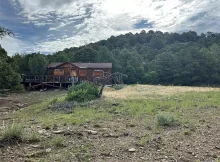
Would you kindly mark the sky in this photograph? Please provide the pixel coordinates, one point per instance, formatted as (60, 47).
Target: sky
(48, 26)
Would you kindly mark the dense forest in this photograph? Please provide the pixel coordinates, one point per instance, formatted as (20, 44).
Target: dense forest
(151, 57)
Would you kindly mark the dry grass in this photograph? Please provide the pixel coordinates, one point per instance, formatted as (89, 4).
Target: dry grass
(147, 91)
(147, 118)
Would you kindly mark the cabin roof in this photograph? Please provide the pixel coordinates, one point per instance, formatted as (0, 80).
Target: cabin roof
(82, 65)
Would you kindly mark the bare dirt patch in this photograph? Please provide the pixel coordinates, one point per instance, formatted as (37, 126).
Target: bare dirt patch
(15, 101)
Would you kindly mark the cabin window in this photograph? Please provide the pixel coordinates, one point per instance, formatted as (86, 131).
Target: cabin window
(73, 73)
(82, 73)
(98, 73)
(58, 72)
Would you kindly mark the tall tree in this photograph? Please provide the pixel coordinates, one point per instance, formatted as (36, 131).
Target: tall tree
(104, 55)
(85, 55)
(38, 64)
(153, 57)
(9, 78)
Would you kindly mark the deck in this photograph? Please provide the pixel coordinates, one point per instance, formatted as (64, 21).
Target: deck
(58, 81)
(34, 81)
(48, 79)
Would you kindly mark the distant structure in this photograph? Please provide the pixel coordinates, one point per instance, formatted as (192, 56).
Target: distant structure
(64, 74)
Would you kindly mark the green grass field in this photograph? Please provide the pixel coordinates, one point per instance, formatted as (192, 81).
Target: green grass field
(136, 115)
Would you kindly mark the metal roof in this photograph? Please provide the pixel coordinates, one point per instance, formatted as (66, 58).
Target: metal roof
(82, 65)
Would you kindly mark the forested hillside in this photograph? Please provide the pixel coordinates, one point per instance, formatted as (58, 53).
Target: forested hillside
(146, 57)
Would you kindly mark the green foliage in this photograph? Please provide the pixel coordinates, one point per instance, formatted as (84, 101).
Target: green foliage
(166, 119)
(86, 55)
(12, 133)
(58, 142)
(38, 64)
(145, 139)
(84, 153)
(4, 32)
(53, 101)
(118, 86)
(104, 55)
(34, 137)
(146, 57)
(9, 78)
(151, 77)
(83, 92)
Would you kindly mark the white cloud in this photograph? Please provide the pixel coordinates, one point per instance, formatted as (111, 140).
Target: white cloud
(14, 45)
(62, 24)
(93, 20)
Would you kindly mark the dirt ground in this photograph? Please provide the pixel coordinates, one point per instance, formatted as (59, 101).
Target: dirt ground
(13, 102)
(122, 139)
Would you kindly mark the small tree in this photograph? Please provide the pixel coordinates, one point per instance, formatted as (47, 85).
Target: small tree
(117, 78)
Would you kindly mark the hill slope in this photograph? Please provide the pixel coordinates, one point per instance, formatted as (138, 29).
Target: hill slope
(153, 57)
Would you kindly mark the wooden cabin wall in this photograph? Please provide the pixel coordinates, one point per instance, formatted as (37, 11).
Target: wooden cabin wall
(69, 67)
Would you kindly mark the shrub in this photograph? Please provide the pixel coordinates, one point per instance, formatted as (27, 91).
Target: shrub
(83, 92)
(18, 88)
(166, 119)
(118, 86)
(12, 133)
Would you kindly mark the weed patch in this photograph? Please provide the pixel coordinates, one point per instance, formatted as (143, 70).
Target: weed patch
(166, 119)
(58, 142)
(12, 133)
(146, 139)
(84, 154)
(33, 137)
(53, 101)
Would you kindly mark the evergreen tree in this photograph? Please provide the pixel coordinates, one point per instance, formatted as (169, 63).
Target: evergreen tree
(38, 64)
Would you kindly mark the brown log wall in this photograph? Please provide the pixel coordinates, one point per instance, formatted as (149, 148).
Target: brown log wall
(68, 68)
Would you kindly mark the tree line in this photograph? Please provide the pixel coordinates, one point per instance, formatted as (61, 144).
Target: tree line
(152, 57)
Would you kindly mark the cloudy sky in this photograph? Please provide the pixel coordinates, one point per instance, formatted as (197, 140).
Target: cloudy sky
(52, 25)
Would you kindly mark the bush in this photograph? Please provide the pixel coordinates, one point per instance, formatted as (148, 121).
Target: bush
(83, 92)
(166, 119)
(12, 133)
(18, 88)
(118, 86)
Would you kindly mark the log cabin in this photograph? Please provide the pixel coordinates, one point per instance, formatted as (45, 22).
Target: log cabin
(64, 74)
(79, 71)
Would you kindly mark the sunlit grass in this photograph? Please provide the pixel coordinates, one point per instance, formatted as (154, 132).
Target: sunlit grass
(11, 133)
(150, 91)
(130, 107)
(151, 108)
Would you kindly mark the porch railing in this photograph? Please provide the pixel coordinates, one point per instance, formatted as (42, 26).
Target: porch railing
(49, 79)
